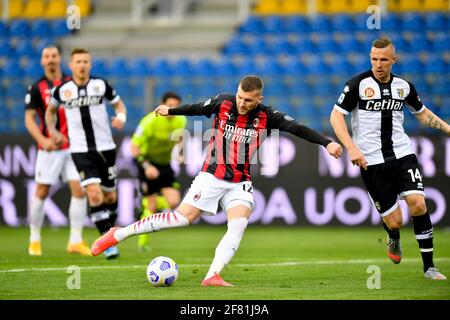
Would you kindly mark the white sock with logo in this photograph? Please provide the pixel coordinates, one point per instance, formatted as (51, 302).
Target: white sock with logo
(228, 246)
(36, 218)
(77, 214)
(155, 222)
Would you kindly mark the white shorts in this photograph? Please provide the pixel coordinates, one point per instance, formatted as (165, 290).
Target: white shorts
(51, 166)
(207, 192)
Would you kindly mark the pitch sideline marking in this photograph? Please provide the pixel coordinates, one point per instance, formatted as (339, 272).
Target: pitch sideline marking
(274, 264)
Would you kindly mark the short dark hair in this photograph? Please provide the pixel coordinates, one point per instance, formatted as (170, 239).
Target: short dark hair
(168, 95)
(52, 46)
(78, 51)
(250, 83)
(382, 42)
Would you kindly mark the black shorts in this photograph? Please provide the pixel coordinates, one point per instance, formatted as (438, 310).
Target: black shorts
(386, 182)
(166, 179)
(97, 167)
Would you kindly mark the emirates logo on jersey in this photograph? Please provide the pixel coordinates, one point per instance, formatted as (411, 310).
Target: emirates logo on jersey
(369, 92)
(197, 196)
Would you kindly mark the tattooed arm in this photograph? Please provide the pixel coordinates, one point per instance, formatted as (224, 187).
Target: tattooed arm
(428, 118)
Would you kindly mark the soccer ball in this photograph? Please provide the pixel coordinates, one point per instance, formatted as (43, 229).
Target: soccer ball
(162, 272)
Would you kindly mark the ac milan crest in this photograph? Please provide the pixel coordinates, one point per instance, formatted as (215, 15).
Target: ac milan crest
(255, 122)
(197, 196)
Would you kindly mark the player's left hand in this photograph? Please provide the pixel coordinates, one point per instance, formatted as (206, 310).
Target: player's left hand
(334, 149)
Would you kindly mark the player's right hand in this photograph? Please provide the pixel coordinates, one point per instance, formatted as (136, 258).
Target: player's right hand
(356, 157)
(151, 172)
(162, 110)
(49, 145)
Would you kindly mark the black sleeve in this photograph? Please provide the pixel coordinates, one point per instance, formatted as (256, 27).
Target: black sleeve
(413, 98)
(32, 98)
(110, 92)
(348, 100)
(55, 98)
(206, 108)
(283, 122)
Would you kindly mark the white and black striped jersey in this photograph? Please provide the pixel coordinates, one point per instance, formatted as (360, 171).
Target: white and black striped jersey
(87, 117)
(377, 115)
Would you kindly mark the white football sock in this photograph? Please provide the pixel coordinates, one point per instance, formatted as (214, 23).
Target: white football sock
(36, 218)
(228, 246)
(77, 214)
(155, 222)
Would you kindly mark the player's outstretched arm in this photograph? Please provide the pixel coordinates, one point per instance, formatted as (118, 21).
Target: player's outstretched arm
(428, 118)
(340, 129)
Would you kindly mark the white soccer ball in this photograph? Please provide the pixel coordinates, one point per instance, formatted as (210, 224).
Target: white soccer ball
(162, 272)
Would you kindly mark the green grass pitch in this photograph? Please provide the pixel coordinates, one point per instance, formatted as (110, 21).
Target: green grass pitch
(273, 263)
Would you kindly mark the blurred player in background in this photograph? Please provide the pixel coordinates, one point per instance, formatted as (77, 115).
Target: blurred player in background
(151, 148)
(380, 147)
(53, 160)
(91, 143)
(241, 123)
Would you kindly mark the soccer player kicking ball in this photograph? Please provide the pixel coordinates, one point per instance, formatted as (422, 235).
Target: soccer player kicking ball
(383, 151)
(240, 125)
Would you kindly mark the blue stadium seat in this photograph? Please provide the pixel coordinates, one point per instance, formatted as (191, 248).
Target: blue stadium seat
(320, 23)
(391, 22)
(316, 66)
(360, 63)
(99, 68)
(401, 45)
(235, 46)
(24, 48)
(347, 42)
(6, 50)
(435, 64)
(412, 21)
(40, 28)
(293, 66)
(273, 24)
(440, 42)
(248, 66)
(33, 69)
(182, 67)
(3, 29)
(278, 45)
(42, 43)
(204, 67)
(224, 67)
(256, 46)
(436, 21)
(160, 67)
(11, 68)
(342, 22)
(325, 43)
(119, 67)
(58, 28)
(303, 44)
(419, 42)
(19, 28)
(409, 63)
(296, 24)
(254, 24)
(340, 66)
(140, 66)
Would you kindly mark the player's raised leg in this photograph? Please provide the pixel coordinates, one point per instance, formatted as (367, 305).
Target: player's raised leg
(182, 216)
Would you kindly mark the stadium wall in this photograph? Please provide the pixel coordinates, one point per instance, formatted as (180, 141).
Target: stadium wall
(301, 186)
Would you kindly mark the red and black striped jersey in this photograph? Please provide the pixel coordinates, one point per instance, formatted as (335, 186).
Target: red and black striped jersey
(235, 138)
(38, 97)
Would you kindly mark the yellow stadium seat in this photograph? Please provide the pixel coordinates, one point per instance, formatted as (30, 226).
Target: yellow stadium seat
(404, 5)
(15, 9)
(359, 6)
(268, 7)
(34, 9)
(436, 5)
(85, 7)
(293, 7)
(56, 9)
(330, 6)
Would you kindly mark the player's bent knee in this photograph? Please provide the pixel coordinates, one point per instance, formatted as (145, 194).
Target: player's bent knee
(417, 208)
